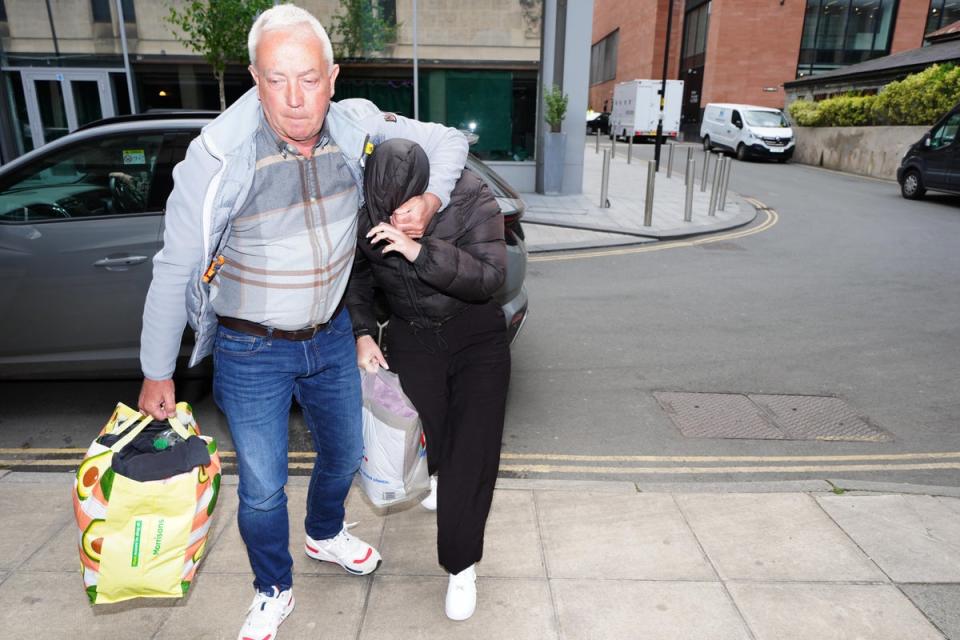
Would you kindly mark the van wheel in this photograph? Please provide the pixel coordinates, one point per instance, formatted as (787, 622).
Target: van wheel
(741, 152)
(912, 187)
(706, 144)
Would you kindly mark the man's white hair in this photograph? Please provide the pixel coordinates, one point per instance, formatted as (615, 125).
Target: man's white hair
(287, 16)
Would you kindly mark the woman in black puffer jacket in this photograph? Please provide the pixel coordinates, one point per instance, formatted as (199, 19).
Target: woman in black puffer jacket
(447, 341)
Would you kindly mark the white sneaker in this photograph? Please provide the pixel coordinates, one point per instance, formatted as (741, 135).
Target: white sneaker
(265, 615)
(353, 554)
(461, 599)
(430, 502)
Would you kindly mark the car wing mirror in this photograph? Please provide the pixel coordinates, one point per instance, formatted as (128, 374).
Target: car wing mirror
(926, 140)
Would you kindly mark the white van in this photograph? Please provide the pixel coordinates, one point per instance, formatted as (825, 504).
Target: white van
(747, 130)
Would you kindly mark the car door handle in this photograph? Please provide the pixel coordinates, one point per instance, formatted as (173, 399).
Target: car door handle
(124, 261)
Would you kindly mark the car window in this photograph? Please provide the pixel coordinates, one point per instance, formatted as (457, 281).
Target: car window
(946, 133)
(735, 119)
(173, 151)
(96, 177)
(771, 119)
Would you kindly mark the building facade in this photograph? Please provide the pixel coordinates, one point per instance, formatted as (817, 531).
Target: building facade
(745, 50)
(62, 66)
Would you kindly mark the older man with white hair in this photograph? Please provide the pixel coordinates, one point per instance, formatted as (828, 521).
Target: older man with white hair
(259, 243)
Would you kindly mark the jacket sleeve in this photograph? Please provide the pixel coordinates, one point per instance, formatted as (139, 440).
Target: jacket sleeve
(165, 311)
(445, 147)
(359, 297)
(474, 267)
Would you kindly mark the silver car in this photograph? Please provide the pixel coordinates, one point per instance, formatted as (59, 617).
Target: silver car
(80, 221)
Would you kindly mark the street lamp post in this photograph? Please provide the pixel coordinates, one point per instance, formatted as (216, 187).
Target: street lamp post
(663, 86)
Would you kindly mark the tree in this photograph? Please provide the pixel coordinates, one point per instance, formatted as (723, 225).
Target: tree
(556, 101)
(217, 29)
(362, 28)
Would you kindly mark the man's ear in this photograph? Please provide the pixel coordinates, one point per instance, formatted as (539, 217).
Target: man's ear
(253, 73)
(333, 78)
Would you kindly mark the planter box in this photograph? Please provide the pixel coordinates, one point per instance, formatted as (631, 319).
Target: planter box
(554, 152)
(867, 151)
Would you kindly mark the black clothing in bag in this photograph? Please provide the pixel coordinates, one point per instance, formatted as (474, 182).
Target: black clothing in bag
(142, 461)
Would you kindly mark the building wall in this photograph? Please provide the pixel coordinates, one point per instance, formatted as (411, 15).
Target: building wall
(752, 44)
(643, 27)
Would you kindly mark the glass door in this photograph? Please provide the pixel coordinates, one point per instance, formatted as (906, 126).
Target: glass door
(60, 101)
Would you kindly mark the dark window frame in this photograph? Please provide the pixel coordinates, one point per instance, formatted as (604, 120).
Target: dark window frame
(102, 11)
(817, 54)
(603, 58)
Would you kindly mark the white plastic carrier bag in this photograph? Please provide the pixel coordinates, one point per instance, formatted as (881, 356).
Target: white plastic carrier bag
(394, 465)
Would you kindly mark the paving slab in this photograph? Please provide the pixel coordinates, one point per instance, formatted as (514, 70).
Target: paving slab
(327, 608)
(544, 484)
(32, 515)
(54, 606)
(541, 238)
(940, 603)
(830, 612)
(412, 608)
(772, 486)
(601, 535)
(511, 544)
(912, 538)
(868, 486)
(627, 609)
(774, 537)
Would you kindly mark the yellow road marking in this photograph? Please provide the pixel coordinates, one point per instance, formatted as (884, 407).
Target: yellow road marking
(547, 468)
(771, 219)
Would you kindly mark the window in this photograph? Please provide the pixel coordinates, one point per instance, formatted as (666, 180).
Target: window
(101, 10)
(942, 13)
(3, 12)
(109, 176)
(837, 33)
(736, 120)
(946, 133)
(603, 59)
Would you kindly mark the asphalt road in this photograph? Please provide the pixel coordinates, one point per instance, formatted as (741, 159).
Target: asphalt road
(852, 293)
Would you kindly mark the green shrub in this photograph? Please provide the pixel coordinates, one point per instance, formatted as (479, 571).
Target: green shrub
(918, 99)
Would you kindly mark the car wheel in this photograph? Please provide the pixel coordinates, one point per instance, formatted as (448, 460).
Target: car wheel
(706, 144)
(741, 152)
(912, 187)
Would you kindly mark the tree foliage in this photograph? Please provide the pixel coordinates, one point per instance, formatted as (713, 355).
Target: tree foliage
(217, 30)
(361, 29)
(919, 99)
(556, 103)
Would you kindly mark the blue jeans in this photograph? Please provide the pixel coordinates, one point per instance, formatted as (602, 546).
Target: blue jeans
(253, 383)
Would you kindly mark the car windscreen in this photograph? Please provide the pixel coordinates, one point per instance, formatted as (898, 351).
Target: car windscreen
(766, 119)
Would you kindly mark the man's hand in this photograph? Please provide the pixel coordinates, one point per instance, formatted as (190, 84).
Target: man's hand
(396, 241)
(157, 399)
(413, 216)
(369, 356)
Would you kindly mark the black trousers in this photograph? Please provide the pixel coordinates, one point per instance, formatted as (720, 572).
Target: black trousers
(457, 376)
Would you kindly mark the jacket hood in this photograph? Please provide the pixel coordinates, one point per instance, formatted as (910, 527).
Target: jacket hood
(394, 173)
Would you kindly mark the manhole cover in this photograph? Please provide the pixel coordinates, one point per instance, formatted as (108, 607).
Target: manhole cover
(716, 415)
(818, 418)
(767, 417)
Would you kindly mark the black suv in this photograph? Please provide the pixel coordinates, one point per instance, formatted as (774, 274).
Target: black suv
(933, 163)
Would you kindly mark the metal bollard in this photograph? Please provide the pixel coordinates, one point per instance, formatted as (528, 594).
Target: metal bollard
(613, 146)
(726, 182)
(651, 183)
(688, 176)
(688, 201)
(605, 179)
(706, 170)
(630, 150)
(597, 150)
(724, 167)
(670, 159)
(714, 191)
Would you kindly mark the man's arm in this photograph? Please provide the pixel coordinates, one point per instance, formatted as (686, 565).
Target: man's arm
(165, 312)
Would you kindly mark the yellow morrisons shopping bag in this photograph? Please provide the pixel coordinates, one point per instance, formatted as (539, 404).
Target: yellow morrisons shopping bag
(143, 499)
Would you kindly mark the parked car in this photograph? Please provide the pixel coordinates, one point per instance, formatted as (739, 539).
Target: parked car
(82, 217)
(933, 162)
(748, 131)
(598, 122)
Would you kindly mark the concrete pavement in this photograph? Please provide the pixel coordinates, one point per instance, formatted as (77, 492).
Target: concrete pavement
(563, 559)
(556, 223)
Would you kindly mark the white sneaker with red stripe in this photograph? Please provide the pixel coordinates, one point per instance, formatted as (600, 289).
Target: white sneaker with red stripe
(265, 615)
(353, 554)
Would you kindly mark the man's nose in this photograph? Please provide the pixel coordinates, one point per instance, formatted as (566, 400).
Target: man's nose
(294, 95)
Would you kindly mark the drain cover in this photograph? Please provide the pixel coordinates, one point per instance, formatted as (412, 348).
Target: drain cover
(716, 415)
(766, 417)
(818, 418)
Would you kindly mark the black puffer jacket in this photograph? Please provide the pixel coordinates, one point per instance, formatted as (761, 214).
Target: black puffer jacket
(463, 259)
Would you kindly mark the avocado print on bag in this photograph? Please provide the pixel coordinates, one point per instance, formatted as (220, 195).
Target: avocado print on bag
(144, 538)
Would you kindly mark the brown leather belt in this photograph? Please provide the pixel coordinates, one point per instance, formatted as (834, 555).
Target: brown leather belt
(261, 330)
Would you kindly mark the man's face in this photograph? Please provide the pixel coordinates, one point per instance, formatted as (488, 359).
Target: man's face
(294, 82)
